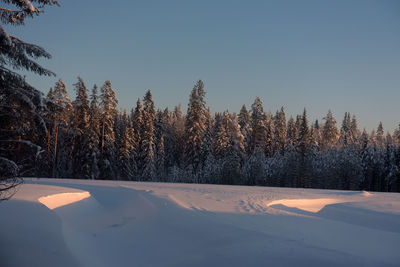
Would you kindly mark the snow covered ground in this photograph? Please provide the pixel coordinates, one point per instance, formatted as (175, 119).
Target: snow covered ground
(110, 223)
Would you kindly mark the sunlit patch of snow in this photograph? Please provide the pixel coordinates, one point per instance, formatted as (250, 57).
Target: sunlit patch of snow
(366, 194)
(62, 199)
(311, 205)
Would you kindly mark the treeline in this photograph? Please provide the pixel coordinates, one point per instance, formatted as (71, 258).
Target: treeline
(90, 139)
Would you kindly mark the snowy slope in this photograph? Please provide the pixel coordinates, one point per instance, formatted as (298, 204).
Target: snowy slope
(110, 223)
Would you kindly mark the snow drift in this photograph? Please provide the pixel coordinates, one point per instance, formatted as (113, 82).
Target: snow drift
(111, 223)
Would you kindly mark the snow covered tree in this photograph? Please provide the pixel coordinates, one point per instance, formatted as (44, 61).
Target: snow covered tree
(137, 125)
(330, 132)
(207, 142)
(345, 131)
(21, 105)
(315, 135)
(222, 141)
(195, 125)
(148, 137)
(177, 137)
(280, 131)
(303, 148)
(93, 134)
(62, 157)
(244, 122)
(269, 134)
(380, 135)
(127, 166)
(108, 111)
(234, 156)
(81, 107)
(258, 128)
(354, 132)
(292, 132)
(303, 138)
(80, 124)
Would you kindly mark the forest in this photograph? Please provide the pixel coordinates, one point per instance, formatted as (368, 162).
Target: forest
(89, 138)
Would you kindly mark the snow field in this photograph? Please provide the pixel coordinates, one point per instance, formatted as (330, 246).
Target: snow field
(113, 223)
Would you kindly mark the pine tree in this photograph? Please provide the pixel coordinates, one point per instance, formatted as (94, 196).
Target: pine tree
(304, 148)
(62, 157)
(137, 125)
(207, 142)
(315, 133)
(292, 133)
(329, 131)
(232, 162)
(222, 141)
(345, 131)
(21, 105)
(178, 137)
(126, 161)
(269, 135)
(80, 125)
(81, 107)
(354, 132)
(195, 125)
(148, 137)
(93, 134)
(380, 135)
(280, 131)
(108, 104)
(259, 131)
(303, 138)
(244, 122)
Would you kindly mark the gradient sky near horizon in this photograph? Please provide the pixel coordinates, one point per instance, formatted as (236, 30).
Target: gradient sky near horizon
(341, 55)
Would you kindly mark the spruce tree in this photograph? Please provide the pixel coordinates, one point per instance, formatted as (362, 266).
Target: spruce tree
(108, 111)
(329, 131)
(303, 148)
(195, 125)
(137, 125)
(258, 128)
(148, 137)
(244, 122)
(292, 133)
(280, 131)
(93, 133)
(380, 135)
(21, 105)
(127, 166)
(62, 150)
(178, 137)
(345, 131)
(80, 125)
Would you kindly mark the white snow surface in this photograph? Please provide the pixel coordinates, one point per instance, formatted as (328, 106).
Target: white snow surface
(60, 222)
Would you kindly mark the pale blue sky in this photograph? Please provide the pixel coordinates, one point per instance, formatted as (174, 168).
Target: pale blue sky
(338, 55)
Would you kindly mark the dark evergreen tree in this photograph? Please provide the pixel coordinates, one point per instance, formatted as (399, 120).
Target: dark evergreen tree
(292, 133)
(137, 125)
(63, 138)
(303, 148)
(258, 128)
(93, 135)
(148, 137)
(80, 125)
(244, 122)
(280, 131)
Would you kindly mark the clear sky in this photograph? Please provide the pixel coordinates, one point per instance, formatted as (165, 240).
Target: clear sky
(338, 55)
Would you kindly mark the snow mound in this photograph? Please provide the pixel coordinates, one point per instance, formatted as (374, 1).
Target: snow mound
(311, 205)
(62, 199)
